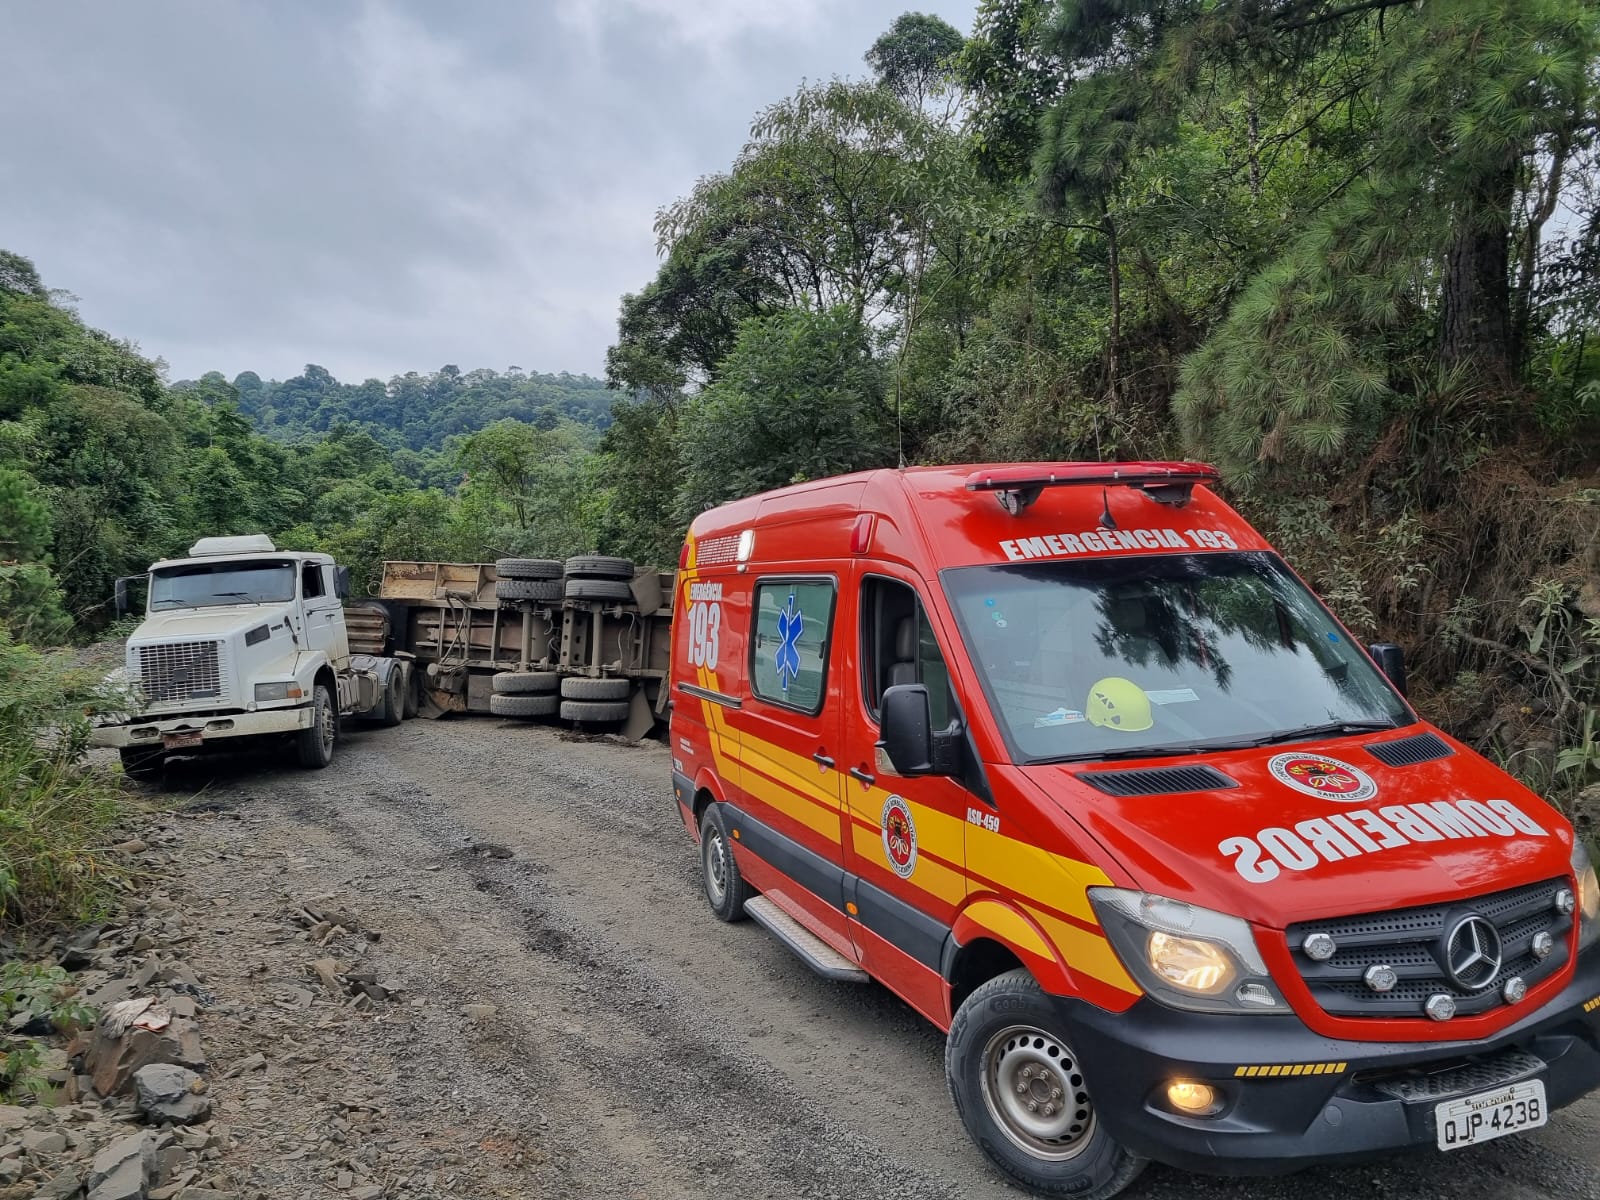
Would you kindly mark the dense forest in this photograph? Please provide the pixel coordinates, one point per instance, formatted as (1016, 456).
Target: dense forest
(412, 411)
(1348, 252)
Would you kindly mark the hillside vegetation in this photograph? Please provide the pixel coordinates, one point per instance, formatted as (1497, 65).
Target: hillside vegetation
(1348, 252)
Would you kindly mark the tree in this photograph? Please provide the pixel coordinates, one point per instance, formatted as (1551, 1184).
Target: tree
(800, 397)
(913, 58)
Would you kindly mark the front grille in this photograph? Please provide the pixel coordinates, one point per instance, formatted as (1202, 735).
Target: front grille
(1474, 1075)
(1409, 940)
(181, 672)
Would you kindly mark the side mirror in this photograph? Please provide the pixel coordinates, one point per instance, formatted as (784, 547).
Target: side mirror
(906, 733)
(1391, 661)
(120, 597)
(341, 582)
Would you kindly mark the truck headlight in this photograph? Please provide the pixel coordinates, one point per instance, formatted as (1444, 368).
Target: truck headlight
(278, 691)
(1588, 895)
(1187, 957)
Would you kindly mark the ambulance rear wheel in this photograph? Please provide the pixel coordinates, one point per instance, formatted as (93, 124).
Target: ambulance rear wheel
(726, 889)
(1020, 1091)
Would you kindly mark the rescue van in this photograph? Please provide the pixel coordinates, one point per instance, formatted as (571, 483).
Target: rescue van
(1065, 756)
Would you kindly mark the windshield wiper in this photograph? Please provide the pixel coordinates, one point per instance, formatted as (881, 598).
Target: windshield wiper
(1185, 751)
(242, 595)
(1309, 732)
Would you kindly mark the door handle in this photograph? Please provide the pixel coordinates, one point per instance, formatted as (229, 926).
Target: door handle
(822, 760)
(866, 779)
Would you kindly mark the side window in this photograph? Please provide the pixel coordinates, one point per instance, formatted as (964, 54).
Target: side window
(789, 649)
(310, 580)
(898, 646)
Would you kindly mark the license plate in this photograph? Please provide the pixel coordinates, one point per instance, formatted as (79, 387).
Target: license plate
(177, 741)
(1472, 1120)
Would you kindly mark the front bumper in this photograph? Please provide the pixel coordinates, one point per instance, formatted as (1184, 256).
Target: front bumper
(151, 731)
(1294, 1099)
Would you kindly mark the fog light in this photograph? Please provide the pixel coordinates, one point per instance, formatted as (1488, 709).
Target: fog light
(1566, 902)
(1381, 977)
(1543, 944)
(1441, 1007)
(1516, 988)
(1190, 1097)
(1319, 946)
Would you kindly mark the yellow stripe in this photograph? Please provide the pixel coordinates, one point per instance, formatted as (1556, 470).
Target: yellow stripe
(1029, 871)
(1085, 952)
(934, 878)
(1008, 926)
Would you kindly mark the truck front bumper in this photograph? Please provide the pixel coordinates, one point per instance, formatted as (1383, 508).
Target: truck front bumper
(1291, 1099)
(157, 731)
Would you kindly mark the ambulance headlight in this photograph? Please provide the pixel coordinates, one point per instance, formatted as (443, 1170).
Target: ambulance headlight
(1187, 957)
(1588, 895)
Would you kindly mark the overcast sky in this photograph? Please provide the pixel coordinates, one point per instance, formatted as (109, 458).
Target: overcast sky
(382, 187)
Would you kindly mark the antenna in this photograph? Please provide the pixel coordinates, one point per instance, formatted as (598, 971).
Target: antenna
(1107, 521)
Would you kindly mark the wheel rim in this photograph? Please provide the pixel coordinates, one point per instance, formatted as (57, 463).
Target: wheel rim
(716, 863)
(1034, 1091)
(326, 732)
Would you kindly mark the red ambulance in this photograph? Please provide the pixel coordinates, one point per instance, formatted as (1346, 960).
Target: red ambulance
(1068, 758)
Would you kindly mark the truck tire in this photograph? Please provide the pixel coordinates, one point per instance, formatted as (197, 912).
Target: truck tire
(523, 683)
(599, 589)
(143, 763)
(528, 568)
(593, 712)
(726, 890)
(538, 705)
(547, 591)
(575, 687)
(313, 746)
(394, 698)
(413, 692)
(1017, 1086)
(598, 566)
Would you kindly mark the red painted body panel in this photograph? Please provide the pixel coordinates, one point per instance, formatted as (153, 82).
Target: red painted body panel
(1055, 834)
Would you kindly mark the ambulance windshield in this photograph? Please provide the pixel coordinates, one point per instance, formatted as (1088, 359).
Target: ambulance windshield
(1162, 654)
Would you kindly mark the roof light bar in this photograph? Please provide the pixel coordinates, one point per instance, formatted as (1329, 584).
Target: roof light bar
(1164, 482)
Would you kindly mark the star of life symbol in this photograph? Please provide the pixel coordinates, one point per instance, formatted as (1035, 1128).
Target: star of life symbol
(791, 623)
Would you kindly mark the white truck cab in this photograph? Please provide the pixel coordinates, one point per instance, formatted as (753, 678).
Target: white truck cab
(241, 639)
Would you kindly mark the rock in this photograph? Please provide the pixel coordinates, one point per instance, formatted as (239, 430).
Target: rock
(39, 1141)
(253, 1062)
(478, 1013)
(327, 970)
(113, 1060)
(371, 1192)
(491, 849)
(170, 1093)
(133, 846)
(119, 1171)
(12, 1117)
(62, 1186)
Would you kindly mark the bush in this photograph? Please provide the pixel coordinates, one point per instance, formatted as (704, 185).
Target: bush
(56, 813)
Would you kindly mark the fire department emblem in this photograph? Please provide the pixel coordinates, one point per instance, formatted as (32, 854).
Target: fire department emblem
(1329, 778)
(899, 837)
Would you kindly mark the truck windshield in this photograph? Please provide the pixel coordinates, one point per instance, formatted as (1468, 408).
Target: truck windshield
(199, 585)
(1162, 654)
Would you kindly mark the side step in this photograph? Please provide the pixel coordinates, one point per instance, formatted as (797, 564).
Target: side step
(807, 946)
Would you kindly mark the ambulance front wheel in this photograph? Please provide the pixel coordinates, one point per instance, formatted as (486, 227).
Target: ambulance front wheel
(726, 889)
(1021, 1094)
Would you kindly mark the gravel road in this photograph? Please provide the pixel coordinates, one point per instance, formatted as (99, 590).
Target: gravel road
(638, 1047)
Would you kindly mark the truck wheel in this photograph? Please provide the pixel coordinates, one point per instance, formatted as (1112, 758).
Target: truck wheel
(394, 698)
(575, 687)
(599, 566)
(413, 693)
(523, 683)
(547, 591)
(594, 712)
(537, 705)
(726, 889)
(599, 589)
(1019, 1091)
(313, 746)
(143, 763)
(528, 568)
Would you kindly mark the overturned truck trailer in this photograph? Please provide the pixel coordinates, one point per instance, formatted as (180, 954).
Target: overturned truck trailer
(585, 641)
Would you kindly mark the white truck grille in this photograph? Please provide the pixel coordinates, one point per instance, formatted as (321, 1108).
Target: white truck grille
(181, 673)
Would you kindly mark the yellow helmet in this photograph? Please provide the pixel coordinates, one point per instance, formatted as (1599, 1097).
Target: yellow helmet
(1120, 704)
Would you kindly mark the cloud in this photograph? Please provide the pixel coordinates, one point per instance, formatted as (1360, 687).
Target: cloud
(387, 186)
